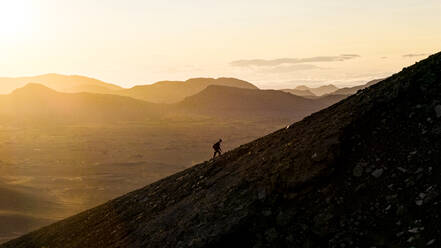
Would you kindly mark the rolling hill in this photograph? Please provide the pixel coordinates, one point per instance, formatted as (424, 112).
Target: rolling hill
(361, 173)
(251, 104)
(176, 91)
(63, 83)
(36, 102)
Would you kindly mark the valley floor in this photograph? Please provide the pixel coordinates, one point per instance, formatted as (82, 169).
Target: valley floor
(51, 172)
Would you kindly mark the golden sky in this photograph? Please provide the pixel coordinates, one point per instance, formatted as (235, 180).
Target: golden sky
(274, 44)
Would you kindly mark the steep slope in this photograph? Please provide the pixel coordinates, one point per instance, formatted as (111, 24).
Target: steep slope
(353, 90)
(175, 91)
(298, 92)
(362, 173)
(36, 102)
(59, 82)
(319, 91)
(250, 104)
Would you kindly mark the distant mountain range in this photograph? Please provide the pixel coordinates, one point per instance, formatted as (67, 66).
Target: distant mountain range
(305, 93)
(175, 91)
(53, 99)
(328, 90)
(353, 90)
(159, 92)
(59, 82)
(230, 102)
(36, 102)
(319, 91)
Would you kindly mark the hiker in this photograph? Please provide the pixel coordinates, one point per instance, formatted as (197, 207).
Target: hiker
(217, 148)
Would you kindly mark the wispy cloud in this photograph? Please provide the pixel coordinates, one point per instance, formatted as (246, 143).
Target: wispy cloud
(412, 55)
(290, 68)
(285, 61)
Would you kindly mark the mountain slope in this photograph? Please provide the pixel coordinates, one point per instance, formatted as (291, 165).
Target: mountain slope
(251, 104)
(175, 91)
(364, 172)
(353, 90)
(59, 82)
(36, 102)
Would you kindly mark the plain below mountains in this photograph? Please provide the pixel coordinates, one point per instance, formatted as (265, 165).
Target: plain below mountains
(362, 173)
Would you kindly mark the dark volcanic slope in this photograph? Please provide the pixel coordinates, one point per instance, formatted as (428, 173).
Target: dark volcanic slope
(362, 173)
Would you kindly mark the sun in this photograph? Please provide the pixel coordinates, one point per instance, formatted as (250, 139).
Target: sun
(15, 18)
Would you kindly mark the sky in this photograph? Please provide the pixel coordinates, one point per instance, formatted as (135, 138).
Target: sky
(273, 44)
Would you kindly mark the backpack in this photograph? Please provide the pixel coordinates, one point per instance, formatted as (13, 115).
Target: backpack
(216, 146)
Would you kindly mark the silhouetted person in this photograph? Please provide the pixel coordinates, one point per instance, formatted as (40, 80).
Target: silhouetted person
(217, 148)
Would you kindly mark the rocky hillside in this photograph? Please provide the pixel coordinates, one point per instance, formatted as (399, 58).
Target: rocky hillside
(364, 172)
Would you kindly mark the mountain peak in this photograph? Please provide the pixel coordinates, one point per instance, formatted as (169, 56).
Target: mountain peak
(33, 89)
(319, 91)
(175, 91)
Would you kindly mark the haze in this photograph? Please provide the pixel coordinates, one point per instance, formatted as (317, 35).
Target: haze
(139, 42)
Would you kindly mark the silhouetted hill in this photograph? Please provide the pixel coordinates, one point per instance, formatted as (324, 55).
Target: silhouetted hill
(36, 102)
(237, 103)
(175, 91)
(306, 93)
(319, 91)
(362, 173)
(59, 82)
(353, 90)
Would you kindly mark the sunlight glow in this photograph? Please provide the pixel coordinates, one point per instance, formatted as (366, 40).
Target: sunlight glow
(15, 18)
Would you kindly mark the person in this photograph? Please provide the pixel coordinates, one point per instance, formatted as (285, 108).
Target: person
(217, 148)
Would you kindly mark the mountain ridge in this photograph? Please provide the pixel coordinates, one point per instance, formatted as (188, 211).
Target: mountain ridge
(319, 91)
(176, 91)
(36, 102)
(354, 89)
(240, 103)
(59, 82)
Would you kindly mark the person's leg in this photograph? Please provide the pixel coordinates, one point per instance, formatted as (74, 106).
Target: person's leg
(216, 153)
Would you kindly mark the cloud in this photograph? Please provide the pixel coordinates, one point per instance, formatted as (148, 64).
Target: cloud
(290, 68)
(412, 55)
(282, 61)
